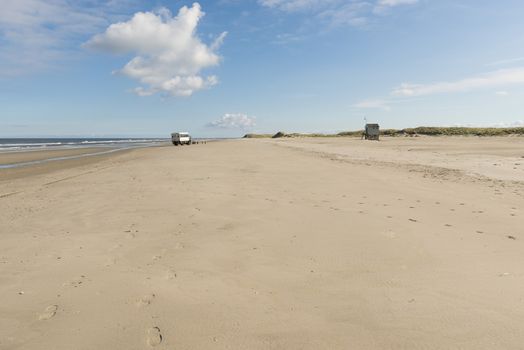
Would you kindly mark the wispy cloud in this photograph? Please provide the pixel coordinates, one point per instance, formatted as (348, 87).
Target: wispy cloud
(234, 121)
(392, 3)
(36, 34)
(297, 5)
(495, 82)
(169, 54)
(506, 62)
(514, 124)
(354, 13)
(490, 80)
(384, 5)
(373, 104)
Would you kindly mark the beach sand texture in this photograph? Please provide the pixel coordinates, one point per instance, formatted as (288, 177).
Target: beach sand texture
(407, 243)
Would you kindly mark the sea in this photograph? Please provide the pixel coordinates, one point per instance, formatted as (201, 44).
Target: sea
(98, 145)
(30, 144)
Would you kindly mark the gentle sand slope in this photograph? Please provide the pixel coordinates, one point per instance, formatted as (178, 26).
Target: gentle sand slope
(261, 244)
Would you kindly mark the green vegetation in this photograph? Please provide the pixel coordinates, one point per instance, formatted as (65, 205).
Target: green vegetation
(443, 131)
(357, 133)
(457, 131)
(423, 130)
(257, 136)
(283, 134)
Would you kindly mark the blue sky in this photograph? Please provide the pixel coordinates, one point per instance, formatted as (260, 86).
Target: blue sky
(228, 67)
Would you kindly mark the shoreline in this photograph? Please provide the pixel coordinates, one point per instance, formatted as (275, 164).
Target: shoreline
(27, 156)
(33, 163)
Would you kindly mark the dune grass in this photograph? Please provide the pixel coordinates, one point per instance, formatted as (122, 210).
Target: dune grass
(257, 136)
(423, 130)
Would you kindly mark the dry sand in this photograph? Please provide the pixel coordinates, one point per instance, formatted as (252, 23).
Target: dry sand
(264, 244)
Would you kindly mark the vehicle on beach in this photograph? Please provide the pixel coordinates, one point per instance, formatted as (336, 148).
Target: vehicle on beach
(180, 138)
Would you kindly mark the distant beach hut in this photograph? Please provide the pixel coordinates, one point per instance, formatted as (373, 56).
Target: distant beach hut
(372, 132)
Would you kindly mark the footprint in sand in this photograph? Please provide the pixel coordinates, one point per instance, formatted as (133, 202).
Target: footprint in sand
(170, 275)
(146, 300)
(49, 312)
(77, 282)
(154, 336)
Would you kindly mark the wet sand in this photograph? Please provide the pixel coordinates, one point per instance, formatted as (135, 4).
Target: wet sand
(75, 157)
(28, 156)
(268, 244)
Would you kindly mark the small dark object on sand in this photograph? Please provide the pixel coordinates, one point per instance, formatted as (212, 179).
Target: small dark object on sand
(512, 237)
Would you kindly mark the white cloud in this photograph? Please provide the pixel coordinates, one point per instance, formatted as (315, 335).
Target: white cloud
(501, 93)
(234, 121)
(496, 79)
(373, 104)
(169, 54)
(35, 34)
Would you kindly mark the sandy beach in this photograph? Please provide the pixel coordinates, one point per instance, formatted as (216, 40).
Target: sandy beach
(321, 243)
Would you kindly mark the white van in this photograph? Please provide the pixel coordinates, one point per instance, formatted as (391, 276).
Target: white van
(180, 138)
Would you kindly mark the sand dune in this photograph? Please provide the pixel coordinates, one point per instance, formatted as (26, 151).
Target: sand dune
(269, 244)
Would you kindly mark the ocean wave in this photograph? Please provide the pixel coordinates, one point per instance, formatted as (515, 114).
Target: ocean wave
(30, 144)
(120, 141)
(38, 144)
